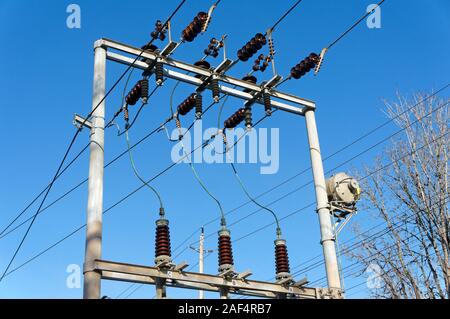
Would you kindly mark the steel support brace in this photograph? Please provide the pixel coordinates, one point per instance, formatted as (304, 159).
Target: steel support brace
(171, 65)
(180, 279)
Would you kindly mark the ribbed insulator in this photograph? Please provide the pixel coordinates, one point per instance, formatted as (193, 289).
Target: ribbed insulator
(251, 47)
(198, 105)
(144, 89)
(126, 115)
(195, 27)
(281, 258)
(305, 66)
(235, 119)
(162, 241)
(187, 105)
(271, 48)
(215, 90)
(159, 73)
(267, 104)
(225, 250)
(134, 95)
(248, 117)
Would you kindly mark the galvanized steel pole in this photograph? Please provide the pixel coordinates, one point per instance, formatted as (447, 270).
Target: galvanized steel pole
(323, 209)
(92, 278)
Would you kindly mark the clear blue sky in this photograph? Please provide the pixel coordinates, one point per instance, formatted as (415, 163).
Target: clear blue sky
(46, 77)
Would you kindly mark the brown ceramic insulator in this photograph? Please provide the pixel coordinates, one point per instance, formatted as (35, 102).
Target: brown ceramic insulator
(248, 117)
(267, 104)
(251, 47)
(195, 27)
(134, 95)
(187, 105)
(225, 250)
(162, 241)
(251, 79)
(305, 66)
(281, 258)
(235, 119)
(144, 88)
(204, 65)
(149, 47)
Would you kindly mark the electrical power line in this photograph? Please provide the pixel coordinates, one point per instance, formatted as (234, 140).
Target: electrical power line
(354, 25)
(116, 204)
(285, 15)
(349, 160)
(72, 142)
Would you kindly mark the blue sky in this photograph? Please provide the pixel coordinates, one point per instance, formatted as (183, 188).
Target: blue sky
(46, 77)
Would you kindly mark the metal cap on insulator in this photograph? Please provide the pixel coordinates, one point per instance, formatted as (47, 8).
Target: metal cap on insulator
(226, 262)
(282, 260)
(162, 242)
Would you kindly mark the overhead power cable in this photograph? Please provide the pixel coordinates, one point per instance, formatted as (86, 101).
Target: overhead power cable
(353, 157)
(114, 205)
(71, 145)
(354, 25)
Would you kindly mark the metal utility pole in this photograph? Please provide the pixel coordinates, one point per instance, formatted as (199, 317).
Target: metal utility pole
(95, 185)
(201, 257)
(323, 207)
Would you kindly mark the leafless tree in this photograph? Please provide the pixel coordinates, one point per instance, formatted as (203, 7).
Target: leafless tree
(409, 193)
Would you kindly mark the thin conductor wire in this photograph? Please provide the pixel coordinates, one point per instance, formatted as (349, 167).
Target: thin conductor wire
(354, 25)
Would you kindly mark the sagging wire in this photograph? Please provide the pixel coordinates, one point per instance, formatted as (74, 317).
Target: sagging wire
(282, 268)
(130, 154)
(314, 61)
(136, 173)
(241, 183)
(175, 116)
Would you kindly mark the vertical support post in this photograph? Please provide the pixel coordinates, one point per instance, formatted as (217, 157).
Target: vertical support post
(160, 288)
(200, 260)
(223, 293)
(323, 210)
(95, 185)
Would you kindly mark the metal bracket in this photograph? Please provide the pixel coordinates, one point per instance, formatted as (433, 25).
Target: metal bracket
(329, 293)
(301, 282)
(180, 267)
(80, 121)
(224, 66)
(244, 275)
(169, 48)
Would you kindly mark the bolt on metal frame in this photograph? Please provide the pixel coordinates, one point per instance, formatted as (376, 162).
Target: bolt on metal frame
(96, 269)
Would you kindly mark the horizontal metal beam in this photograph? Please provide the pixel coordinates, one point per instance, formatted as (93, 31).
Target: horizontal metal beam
(176, 278)
(299, 106)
